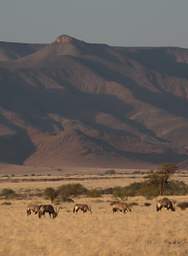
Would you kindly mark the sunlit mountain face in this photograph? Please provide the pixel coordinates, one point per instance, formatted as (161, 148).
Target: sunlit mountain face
(76, 103)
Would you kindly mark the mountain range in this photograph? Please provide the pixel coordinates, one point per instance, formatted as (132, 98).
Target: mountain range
(74, 103)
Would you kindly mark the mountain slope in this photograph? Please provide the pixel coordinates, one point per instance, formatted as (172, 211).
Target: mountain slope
(12, 51)
(75, 103)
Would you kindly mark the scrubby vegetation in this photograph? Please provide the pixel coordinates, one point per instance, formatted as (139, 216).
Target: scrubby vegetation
(183, 205)
(8, 193)
(162, 176)
(50, 193)
(119, 193)
(110, 172)
(6, 203)
(155, 184)
(147, 204)
(65, 192)
(94, 193)
(69, 190)
(133, 204)
(150, 189)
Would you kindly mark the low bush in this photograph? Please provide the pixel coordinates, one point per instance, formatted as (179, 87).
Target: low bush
(8, 193)
(6, 203)
(133, 204)
(149, 189)
(94, 193)
(183, 205)
(107, 191)
(176, 188)
(147, 204)
(120, 193)
(110, 172)
(60, 200)
(64, 192)
(69, 190)
(50, 193)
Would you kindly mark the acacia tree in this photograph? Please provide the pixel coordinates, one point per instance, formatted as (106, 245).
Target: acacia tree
(50, 194)
(162, 175)
(166, 170)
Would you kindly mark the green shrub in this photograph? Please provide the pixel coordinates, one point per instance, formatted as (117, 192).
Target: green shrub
(59, 200)
(50, 193)
(120, 192)
(68, 190)
(64, 192)
(8, 193)
(176, 188)
(150, 189)
(110, 172)
(94, 193)
(6, 203)
(133, 204)
(147, 204)
(183, 205)
(107, 191)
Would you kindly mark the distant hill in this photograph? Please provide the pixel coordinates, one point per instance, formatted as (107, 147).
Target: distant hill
(78, 104)
(12, 51)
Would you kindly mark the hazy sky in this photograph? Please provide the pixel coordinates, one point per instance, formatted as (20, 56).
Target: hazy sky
(115, 22)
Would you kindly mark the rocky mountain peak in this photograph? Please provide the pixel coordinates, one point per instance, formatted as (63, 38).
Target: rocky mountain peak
(65, 39)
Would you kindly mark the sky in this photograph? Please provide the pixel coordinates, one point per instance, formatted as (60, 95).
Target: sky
(114, 22)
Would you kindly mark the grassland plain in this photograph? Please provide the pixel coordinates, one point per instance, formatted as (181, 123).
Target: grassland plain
(141, 232)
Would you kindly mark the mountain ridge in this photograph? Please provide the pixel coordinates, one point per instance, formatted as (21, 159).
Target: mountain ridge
(77, 103)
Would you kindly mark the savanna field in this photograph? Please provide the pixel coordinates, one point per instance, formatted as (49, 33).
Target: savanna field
(93, 128)
(102, 233)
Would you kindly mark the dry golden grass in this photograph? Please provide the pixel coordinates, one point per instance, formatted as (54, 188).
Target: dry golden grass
(142, 232)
